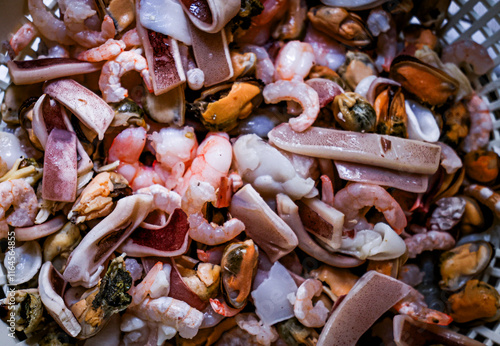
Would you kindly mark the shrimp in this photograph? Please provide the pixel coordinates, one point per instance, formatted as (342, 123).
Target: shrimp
(327, 52)
(433, 240)
(468, 52)
(264, 334)
(163, 199)
(49, 26)
(481, 125)
(170, 312)
(212, 162)
(294, 60)
(22, 38)
(131, 38)
(207, 233)
(414, 306)
(309, 315)
(327, 192)
(156, 284)
(113, 70)
(353, 199)
(264, 68)
(19, 195)
(175, 149)
(294, 90)
(107, 51)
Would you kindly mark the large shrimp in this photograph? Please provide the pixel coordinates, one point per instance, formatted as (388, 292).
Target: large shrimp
(19, 195)
(212, 162)
(353, 199)
(172, 313)
(309, 315)
(428, 241)
(469, 52)
(298, 91)
(207, 233)
(294, 60)
(127, 148)
(175, 149)
(414, 306)
(107, 51)
(49, 26)
(22, 38)
(480, 125)
(113, 70)
(156, 284)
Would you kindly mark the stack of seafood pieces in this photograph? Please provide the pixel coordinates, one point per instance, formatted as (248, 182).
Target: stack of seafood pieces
(255, 172)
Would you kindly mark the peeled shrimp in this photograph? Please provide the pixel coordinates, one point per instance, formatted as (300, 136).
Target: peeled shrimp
(172, 313)
(163, 198)
(50, 27)
(414, 306)
(294, 60)
(309, 315)
(113, 70)
(131, 38)
(327, 52)
(175, 149)
(264, 69)
(207, 233)
(433, 240)
(249, 322)
(156, 284)
(480, 125)
(20, 195)
(294, 90)
(469, 52)
(23, 37)
(212, 162)
(109, 50)
(352, 200)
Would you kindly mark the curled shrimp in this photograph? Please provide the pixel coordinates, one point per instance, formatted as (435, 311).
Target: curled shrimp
(113, 70)
(49, 26)
(309, 315)
(264, 334)
(207, 233)
(172, 313)
(156, 284)
(264, 68)
(22, 38)
(163, 199)
(481, 125)
(427, 241)
(468, 52)
(414, 306)
(212, 162)
(294, 60)
(294, 90)
(108, 50)
(353, 199)
(20, 196)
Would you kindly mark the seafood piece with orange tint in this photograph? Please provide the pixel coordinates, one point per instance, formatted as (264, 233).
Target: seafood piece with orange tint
(481, 165)
(391, 113)
(478, 301)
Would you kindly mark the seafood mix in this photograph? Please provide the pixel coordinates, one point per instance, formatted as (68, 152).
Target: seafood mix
(246, 172)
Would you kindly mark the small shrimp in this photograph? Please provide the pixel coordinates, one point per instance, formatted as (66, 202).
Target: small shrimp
(264, 68)
(163, 199)
(309, 315)
(414, 306)
(107, 51)
(353, 199)
(207, 233)
(433, 240)
(22, 38)
(327, 52)
(19, 195)
(264, 334)
(480, 125)
(294, 60)
(212, 162)
(49, 26)
(172, 313)
(131, 38)
(294, 90)
(327, 192)
(156, 284)
(113, 70)
(468, 52)
(175, 149)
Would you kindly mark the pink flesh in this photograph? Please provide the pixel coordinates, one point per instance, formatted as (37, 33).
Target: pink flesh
(179, 290)
(40, 70)
(52, 115)
(40, 231)
(381, 176)
(199, 9)
(60, 167)
(369, 298)
(326, 89)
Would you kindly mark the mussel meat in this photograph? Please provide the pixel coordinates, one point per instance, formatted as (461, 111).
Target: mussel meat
(481, 165)
(427, 83)
(391, 112)
(463, 263)
(354, 113)
(357, 66)
(239, 266)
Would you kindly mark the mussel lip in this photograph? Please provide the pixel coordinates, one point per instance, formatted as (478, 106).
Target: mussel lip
(410, 60)
(460, 283)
